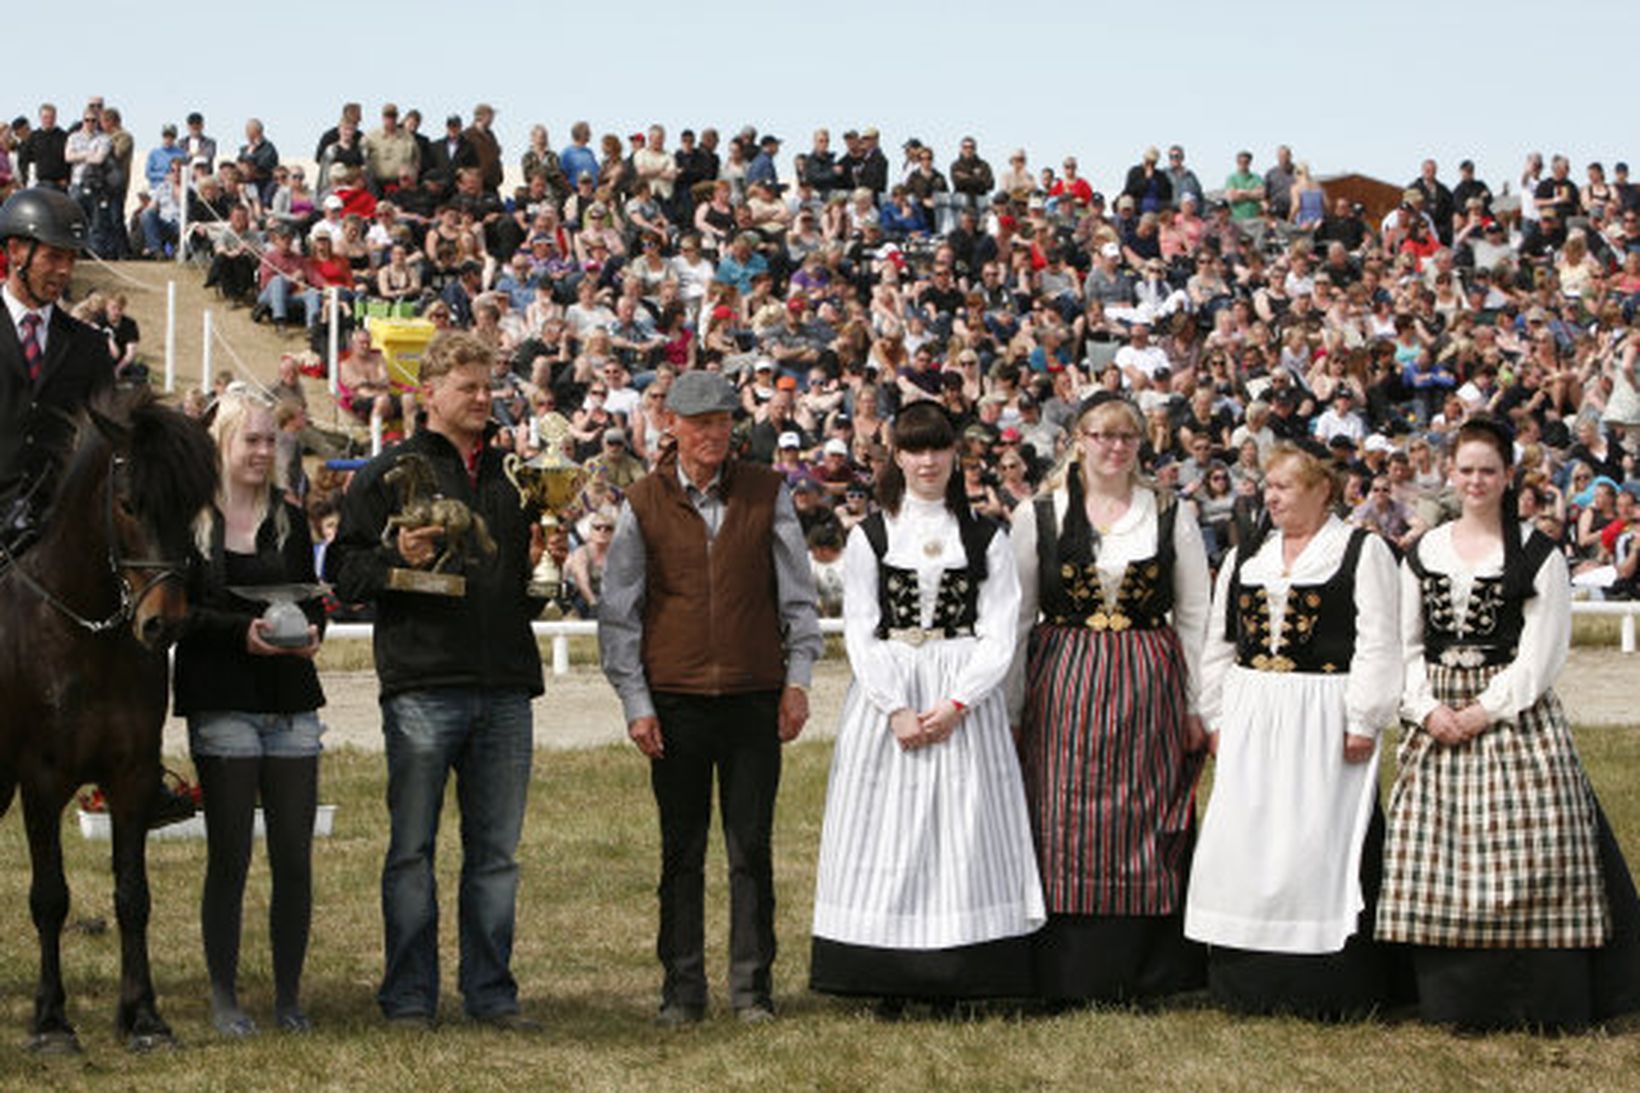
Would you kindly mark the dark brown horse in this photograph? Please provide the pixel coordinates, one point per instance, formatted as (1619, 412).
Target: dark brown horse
(85, 618)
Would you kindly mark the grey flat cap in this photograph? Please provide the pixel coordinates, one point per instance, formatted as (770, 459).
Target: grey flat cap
(698, 392)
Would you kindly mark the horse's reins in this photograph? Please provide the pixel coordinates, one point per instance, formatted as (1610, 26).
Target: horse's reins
(130, 598)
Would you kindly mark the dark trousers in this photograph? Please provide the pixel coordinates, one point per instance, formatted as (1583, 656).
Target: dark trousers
(735, 735)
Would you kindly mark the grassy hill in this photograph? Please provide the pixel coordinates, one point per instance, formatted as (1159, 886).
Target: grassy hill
(249, 350)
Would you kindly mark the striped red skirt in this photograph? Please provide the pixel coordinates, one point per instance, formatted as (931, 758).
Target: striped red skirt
(1109, 783)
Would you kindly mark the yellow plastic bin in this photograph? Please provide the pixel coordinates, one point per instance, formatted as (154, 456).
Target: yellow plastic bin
(402, 342)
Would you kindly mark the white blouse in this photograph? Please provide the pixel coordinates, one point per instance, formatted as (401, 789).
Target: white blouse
(924, 537)
(1374, 682)
(1131, 537)
(1545, 635)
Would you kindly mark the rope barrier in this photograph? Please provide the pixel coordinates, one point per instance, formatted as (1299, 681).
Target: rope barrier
(240, 367)
(123, 276)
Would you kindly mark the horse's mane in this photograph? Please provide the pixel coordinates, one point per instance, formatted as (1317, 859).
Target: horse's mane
(172, 463)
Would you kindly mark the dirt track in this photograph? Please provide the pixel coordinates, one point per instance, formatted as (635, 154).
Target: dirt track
(579, 710)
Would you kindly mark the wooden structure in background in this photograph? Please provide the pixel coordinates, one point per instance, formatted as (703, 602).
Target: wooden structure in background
(1375, 195)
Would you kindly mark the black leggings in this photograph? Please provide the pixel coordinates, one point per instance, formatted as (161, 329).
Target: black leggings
(289, 794)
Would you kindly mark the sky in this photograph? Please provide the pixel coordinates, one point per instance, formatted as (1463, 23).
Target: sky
(1360, 87)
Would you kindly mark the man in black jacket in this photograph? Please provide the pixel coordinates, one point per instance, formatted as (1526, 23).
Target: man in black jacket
(46, 150)
(50, 364)
(454, 150)
(971, 175)
(457, 675)
(873, 170)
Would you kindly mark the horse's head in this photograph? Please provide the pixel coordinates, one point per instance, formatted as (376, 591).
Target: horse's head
(412, 477)
(161, 470)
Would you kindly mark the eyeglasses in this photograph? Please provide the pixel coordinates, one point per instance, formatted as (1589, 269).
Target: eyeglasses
(1111, 440)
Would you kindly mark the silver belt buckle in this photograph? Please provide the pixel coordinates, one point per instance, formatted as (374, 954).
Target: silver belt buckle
(1463, 656)
(914, 636)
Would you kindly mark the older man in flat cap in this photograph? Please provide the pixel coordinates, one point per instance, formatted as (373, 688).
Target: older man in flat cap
(708, 633)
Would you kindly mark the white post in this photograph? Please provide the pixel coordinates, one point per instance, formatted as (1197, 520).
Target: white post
(1626, 638)
(205, 357)
(375, 434)
(182, 217)
(335, 336)
(560, 654)
(170, 336)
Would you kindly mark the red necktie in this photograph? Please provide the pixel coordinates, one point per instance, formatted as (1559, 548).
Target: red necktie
(30, 340)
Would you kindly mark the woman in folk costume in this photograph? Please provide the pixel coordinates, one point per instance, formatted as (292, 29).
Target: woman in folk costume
(1499, 865)
(1302, 668)
(927, 885)
(1113, 610)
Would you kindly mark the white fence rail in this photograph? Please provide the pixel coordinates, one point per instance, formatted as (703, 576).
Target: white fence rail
(560, 632)
(1627, 609)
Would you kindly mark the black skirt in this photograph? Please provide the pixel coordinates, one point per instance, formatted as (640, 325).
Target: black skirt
(1352, 983)
(991, 969)
(1551, 989)
(1116, 958)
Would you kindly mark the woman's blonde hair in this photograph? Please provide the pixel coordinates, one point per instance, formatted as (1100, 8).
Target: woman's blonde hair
(1312, 467)
(233, 410)
(1092, 413)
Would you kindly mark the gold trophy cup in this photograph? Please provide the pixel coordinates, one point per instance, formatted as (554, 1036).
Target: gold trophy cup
(552, 482)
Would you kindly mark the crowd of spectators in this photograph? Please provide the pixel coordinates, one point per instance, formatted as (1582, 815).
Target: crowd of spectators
(1234, 315)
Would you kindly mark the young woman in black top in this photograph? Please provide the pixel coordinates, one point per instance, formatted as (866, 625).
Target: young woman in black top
(250, 705)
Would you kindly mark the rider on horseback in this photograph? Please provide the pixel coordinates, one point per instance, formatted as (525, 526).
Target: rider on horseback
(50, 364)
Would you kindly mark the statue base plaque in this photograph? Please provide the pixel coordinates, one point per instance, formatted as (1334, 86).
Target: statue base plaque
(431, 584)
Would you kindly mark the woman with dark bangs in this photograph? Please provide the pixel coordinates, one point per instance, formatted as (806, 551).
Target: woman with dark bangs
(1113, 611)
(1499, 864)
(927, 886)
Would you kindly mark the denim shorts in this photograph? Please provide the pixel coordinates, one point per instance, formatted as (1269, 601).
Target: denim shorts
(234, 734)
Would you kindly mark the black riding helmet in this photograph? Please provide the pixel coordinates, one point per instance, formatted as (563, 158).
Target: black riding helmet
(42, 216)
(45, 216)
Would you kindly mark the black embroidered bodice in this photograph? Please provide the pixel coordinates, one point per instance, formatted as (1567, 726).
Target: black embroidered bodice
(1317, 624)
(1071, 590)
(1492, 619)
(899, 590)
(955, 610)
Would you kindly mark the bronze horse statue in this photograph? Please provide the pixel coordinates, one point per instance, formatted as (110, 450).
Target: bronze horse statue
(86, 616)
(421, 505)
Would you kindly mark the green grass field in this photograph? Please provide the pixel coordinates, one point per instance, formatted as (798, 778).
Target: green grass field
(585, 963)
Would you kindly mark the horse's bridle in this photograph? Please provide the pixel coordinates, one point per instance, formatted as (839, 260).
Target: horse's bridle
(131, 599)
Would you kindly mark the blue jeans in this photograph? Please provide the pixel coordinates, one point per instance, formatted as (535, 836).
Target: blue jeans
(276, 297)
(236, 734)
(485, 736)
(313, 303)
(158, 232)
